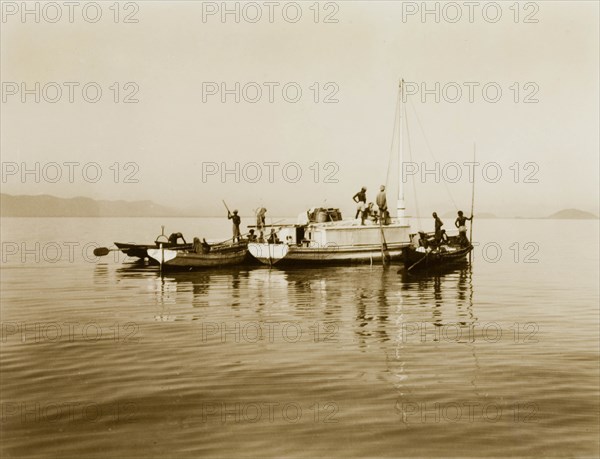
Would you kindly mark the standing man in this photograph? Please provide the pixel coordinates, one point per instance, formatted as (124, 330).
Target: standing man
(461, 224)
(361, 199)
(438, 228)
(382, 204)
(236, 220)
(260, 223)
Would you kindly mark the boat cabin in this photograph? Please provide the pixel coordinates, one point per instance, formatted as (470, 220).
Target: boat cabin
(320, 227)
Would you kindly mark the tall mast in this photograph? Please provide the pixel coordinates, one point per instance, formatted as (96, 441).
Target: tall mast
(401, 206)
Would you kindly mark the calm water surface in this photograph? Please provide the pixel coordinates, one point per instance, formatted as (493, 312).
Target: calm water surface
(106, 358)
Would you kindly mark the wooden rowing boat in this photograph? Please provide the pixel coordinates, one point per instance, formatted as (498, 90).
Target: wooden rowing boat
(446, 254)
(218, 256)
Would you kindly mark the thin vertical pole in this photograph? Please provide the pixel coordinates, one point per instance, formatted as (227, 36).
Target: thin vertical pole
(401, 206)
(472, 199)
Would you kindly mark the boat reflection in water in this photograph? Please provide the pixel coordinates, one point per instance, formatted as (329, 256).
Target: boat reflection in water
(360, 299)
(361, 307)
(401, 339)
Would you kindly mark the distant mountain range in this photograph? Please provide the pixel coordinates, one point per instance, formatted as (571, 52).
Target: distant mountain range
(572, 214)
(52, 206)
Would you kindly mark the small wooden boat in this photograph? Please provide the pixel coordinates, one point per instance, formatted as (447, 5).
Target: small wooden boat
(141, 250)
(420, 258)
(218, 256)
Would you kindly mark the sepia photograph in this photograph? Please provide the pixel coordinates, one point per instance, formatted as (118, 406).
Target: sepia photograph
(300, 229)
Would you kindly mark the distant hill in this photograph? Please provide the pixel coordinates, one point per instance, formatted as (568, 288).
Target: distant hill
(572, 214)
(51, 206)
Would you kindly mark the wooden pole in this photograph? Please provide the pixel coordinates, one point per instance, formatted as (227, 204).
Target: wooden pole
(382, 242)
(472, 201)
(228, 212)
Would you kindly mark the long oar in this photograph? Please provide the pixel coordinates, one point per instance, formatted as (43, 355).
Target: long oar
(230, 239)
(102, 251)
(246, 234)
(419, 261)
(272, 223)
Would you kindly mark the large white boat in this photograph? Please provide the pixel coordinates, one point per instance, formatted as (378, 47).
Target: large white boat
(323, 237)
(343, 242)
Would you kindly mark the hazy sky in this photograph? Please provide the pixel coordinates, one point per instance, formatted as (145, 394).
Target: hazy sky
(178, 54)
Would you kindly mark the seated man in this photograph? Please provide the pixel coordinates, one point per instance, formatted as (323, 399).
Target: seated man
(251, 236)
(444, 237)
(423, 241)
(273, 239)
(197, 245)
(371, 213)
(375, 217)
(205, 246)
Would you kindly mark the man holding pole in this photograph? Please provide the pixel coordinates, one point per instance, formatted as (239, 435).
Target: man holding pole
(461, 224)
(236, 220)
(236, 223)
(438, 228)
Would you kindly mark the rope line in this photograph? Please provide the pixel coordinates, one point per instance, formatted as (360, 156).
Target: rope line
(431, 152)
(414, 182)
(391, 159)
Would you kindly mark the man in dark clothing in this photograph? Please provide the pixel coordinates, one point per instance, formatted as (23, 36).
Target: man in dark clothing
(423, 242)
(273, 239)
(236, 220)
(174, 238)
(251, 236)
(197, 245)
(438, 227)
(361, 199)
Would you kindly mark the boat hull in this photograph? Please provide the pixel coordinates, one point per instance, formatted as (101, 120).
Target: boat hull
(184, 259)
(415, 260)
(283, 255)
(269, 254)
